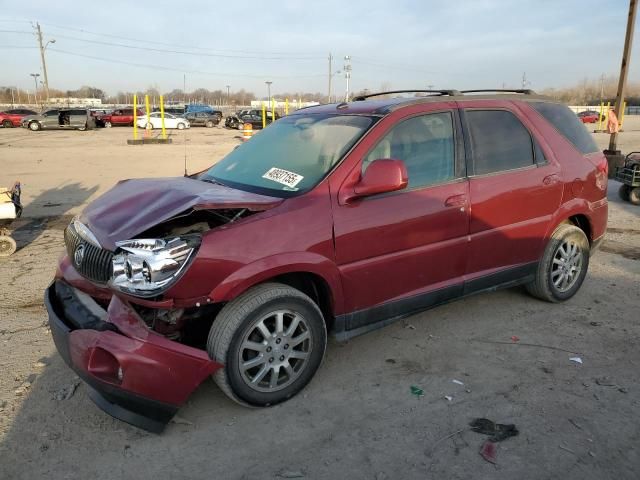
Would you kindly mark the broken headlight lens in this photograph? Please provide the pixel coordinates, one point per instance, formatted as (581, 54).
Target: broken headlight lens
(146, 267)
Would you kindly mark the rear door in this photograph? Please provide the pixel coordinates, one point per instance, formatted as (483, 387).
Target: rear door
(514, 188)
(406, 250)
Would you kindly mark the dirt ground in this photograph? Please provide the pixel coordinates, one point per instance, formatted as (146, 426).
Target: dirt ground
(358, 418)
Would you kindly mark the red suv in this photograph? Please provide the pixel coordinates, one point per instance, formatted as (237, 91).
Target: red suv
(336, 219)
(13, 118)
(120, 117)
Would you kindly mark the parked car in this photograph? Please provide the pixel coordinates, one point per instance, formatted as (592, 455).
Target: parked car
(60, 118)
(121, 117)
(590, 116)
(155, 121)
(13, 118)
(338, 219)
(202, 119)
(201, 108)
(254, 117)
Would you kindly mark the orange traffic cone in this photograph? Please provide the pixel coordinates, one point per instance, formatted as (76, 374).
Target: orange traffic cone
(247, 132)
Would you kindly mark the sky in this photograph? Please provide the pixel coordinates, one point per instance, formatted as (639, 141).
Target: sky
(123, 46)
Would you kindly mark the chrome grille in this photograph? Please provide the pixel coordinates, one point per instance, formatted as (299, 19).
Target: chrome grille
(95, 264)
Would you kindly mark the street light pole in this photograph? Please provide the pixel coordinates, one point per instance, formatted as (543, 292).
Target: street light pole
(347, 75)
(35, 81)
(228, 95)
(269, 91)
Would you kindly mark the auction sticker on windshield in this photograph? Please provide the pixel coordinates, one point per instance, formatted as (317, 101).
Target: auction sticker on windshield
(284, 177)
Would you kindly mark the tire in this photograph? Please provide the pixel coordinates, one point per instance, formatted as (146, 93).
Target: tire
(552, 270)
(34, 126)
(107, 124)
(82, 129)
(634, 196)
(623, 192)
(181, 126)
(209, 124)
(7, 246)
(7, 124)
(237, 326)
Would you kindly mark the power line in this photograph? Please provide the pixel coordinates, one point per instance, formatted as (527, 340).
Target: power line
(181, 70)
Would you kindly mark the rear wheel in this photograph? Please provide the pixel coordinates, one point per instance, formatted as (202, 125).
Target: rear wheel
(7, 245)
(209, 124)
(634, 196)
(107, 124)
(563, 265)
(271, 340)
(623, 192)
(83, 128)
(7, 124)
(34, 126)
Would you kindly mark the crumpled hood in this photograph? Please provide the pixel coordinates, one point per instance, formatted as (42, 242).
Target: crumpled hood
(133, 206)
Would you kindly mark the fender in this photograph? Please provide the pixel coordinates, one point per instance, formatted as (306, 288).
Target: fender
(575, 206)
(269, 267)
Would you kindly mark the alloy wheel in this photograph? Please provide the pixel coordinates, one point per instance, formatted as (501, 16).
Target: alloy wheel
(275, 350)
(566, 266)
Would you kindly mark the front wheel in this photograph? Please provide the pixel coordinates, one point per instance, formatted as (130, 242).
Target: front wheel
(181, 126)
(563, 266)
(271, 340)
(34, 126)
(7, 124)
(634, 196)
(83, 128)
(7, 245)
(107, 124)
(209, 124)
(623, 192)
(149, 126)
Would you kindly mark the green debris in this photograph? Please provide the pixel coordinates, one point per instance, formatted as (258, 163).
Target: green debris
(417, 391)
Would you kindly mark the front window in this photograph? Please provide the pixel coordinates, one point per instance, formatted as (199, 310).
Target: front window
(293, 155)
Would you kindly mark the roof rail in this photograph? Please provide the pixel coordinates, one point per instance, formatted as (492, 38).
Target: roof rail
(360, 98)
(524, 91)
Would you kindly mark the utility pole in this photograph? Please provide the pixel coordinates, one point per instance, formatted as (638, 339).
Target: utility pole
(624, 70)
(228, 95)
(44, 64)
(601, 88)
(524, 80)
(347, 75)
(330, 74)
(268, 91)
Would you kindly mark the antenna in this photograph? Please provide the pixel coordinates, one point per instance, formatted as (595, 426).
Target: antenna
(184, 93)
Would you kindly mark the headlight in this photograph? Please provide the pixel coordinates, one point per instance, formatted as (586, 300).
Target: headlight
(146, 267)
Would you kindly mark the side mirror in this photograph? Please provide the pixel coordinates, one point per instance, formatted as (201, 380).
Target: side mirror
(381, 176)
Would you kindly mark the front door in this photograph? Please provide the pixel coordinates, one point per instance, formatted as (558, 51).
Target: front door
(514, 188)
(406, 250)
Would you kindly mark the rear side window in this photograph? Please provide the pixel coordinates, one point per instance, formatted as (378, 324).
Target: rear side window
(567, 123)
(499, 141)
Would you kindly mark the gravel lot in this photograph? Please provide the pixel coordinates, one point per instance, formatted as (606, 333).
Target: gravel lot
(358, 418)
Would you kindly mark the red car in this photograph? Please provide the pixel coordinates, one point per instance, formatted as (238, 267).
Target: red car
(590, 116)
(120, 117)
(13, 118)
(336, 219)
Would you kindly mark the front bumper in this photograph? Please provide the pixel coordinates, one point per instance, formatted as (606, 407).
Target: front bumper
(133, 374)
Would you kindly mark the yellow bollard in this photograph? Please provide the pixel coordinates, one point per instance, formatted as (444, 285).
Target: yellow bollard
(624, 106)
(135, 117)
(146, 102)
(273, 111)
(264, 116)
(286, 106)
(164, 133)
(600, 116)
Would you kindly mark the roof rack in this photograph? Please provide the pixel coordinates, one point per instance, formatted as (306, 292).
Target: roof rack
(360, 98)
(525, 91)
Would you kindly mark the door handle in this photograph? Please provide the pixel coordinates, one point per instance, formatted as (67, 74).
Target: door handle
(455, 201)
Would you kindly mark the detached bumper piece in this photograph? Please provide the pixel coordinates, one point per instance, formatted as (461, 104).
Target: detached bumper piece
(133, 374)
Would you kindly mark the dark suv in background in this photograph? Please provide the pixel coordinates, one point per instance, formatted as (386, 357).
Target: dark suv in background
(337, 219)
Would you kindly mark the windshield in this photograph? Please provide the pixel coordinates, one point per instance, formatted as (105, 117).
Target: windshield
(291, 155)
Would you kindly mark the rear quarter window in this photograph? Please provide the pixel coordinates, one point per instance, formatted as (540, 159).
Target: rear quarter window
(567, 123)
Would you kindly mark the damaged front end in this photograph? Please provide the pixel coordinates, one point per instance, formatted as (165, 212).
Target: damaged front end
(114, 313)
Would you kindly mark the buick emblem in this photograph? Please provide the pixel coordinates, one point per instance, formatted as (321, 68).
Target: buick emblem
(78, 255)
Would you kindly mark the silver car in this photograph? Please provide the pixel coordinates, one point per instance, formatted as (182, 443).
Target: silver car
(60, 119)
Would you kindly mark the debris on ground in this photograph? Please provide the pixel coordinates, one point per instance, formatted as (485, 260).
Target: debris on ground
(288, 474)
(65, 393)
(448, 397)
(576, 359)
(489, 451)
(457, 382)
(605, 382)
(180, 421)
(497, 431)
(417, 391)
(515, 338)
